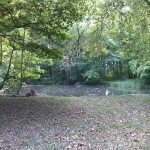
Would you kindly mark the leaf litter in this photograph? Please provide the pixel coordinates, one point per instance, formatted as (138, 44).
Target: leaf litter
(83, 123)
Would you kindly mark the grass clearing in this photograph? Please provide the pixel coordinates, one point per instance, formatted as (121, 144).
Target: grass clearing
(79, 123)
(129, 84)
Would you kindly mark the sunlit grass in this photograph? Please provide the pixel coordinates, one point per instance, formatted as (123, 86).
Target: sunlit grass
(128, 84)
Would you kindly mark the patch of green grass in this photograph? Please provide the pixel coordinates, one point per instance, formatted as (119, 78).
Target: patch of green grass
(114, 125)
(145, 147)
(54, 146)
(127, 84)
(117, 125)
(69, 122)
(102, 128)
(136, 125)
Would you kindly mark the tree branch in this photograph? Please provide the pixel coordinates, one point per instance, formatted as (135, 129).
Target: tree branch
(7, 11)
(9, 67)
(147, 1)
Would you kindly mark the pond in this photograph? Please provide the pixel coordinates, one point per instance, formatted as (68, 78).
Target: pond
(80, 90)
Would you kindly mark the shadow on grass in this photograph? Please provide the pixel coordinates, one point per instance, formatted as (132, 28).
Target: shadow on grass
(119, 122)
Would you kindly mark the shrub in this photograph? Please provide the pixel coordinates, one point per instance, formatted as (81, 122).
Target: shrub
(91, 77)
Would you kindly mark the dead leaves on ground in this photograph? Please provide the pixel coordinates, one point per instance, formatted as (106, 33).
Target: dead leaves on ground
(74, 123)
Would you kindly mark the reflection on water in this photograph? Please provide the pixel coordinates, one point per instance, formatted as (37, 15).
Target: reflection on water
(81, 90)
(107, 92)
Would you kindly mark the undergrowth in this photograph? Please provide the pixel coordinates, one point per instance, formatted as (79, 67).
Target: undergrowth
(128, 84)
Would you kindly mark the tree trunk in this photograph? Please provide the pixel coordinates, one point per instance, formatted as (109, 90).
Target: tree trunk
(120, 69)
(1, 53)
(21, 66)
(21, 69)
(8, 70)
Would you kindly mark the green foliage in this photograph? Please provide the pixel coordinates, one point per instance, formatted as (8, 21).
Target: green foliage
(134, 64)
(143, 71)
(92, 77)
(13, 84)
(127, 84)
(47, 81)
(111, 41)
(37, 28)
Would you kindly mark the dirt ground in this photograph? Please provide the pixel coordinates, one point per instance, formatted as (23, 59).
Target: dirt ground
(77, 123)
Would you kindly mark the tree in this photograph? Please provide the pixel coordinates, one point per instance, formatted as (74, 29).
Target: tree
(115, 34)
(148, 2)
(104, 44)
(38, 27)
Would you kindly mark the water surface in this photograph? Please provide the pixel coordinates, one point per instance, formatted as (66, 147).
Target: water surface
(80, 90)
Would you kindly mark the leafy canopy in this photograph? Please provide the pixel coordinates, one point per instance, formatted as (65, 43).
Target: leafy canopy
(45, 21)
